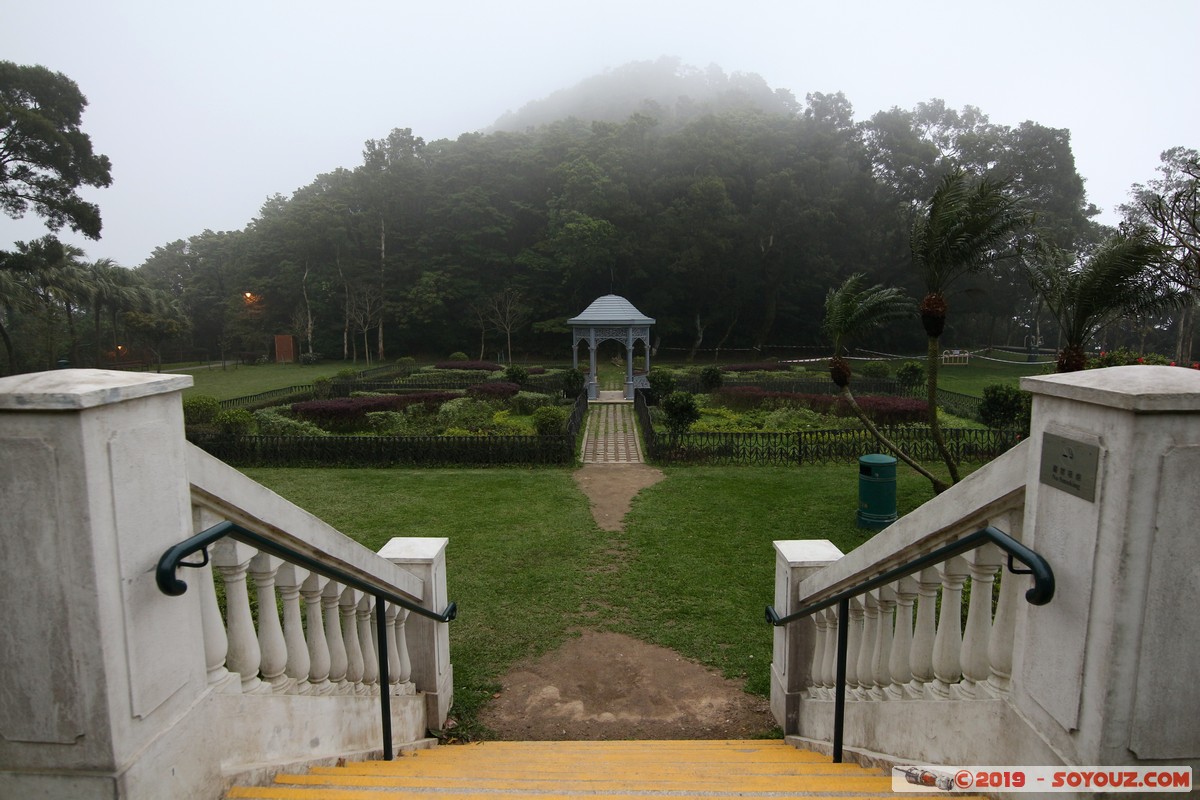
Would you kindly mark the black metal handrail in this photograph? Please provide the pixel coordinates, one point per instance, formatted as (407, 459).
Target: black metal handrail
(1039, 594)
(171, 585)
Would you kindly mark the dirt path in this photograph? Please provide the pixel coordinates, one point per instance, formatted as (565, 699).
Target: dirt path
(609, 686)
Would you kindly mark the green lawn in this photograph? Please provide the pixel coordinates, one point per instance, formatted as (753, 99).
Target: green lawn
(528, 566)
(240, 381)
(972, 379)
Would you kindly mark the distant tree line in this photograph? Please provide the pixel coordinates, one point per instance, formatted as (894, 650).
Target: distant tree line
(728, 219)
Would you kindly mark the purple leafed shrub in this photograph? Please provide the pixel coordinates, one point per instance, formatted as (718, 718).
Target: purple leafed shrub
(482, 366)
(536, 370)
(342, 412)
(496, 390)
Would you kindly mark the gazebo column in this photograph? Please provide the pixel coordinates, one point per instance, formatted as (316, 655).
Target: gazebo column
(629, 340)
(593, 384)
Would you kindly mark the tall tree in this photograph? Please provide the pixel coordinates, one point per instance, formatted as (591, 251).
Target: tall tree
(44, 155)
(1171, 204)
(966, 226)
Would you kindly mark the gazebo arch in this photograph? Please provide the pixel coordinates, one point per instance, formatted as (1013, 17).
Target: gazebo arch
(611, 317)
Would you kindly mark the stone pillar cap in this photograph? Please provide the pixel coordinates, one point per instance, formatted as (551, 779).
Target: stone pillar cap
(76, 389)
(1140, 388)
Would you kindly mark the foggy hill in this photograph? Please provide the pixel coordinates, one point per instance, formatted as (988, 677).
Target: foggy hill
(666, 89)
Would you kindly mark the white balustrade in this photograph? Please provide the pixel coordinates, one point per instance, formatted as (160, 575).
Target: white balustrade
(818, 679)
(348, 607)
(232, 561)
(318, 645)
(898, 663)
(367, 641)
(983, 563)
(853, 643)
(900, 648)
(327, 641)
(883, 642)
(338, 660)
(271, 644)
(288, 581)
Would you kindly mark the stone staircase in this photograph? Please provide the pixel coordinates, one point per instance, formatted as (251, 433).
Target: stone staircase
(621, 770)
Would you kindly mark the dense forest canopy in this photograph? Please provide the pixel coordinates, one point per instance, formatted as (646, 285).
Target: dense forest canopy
(721, 207)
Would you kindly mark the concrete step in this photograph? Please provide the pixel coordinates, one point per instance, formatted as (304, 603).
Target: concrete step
(623, 770)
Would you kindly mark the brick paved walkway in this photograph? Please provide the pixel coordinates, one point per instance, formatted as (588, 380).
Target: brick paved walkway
(611, 435)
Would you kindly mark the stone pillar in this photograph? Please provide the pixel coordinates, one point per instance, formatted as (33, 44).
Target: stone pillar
(428, 641)
(792, 654)
(100, 668)
(1107, 669)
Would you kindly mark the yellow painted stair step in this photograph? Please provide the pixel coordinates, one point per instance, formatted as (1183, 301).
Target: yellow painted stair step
(592, 770)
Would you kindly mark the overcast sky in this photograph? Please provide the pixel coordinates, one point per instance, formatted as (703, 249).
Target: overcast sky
(206, 109)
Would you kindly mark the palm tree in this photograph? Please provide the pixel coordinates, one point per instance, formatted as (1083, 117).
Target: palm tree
(852, 309)
(1085, 296)
(966, 226)
(114, 289)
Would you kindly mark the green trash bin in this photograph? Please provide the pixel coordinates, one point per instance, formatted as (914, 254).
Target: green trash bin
(876, 491)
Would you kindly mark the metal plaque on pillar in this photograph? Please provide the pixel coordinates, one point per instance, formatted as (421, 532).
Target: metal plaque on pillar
(1070, 465)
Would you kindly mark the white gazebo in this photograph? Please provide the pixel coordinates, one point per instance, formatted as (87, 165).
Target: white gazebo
(611, 317)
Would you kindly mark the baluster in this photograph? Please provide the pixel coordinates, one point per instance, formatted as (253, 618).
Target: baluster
(865, 672)
(288, 581)
(393, 655)
(899, 670)
(921, 655)
(854, 637)
(232, 560)
(983, 563)
(1000, 643)
(271, 645)
(367, 631)
(348, 607)
(404, 664)
(883, 642)
(338, 660)
(216, 643)
(829, 668)
(318, 645)
(818, 661)
(947, 644)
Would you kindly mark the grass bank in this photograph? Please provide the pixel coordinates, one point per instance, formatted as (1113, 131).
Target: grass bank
(528, 565)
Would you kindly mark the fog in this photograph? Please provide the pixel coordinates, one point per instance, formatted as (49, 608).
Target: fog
(208, 109)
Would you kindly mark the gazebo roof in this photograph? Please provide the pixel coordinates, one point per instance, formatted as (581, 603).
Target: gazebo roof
(610, 309)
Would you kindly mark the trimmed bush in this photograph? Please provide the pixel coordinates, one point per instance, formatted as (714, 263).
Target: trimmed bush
(525, 403)
(876, 369)
(465, 413)
(200, 410)
(1005, 406)
(573, 381)
(272, 423)
(235, 421)
(911, 373)
(662, 383)
(710, 378)
(515, 373)
(681, 411)
(458, 355)
(550, 420)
